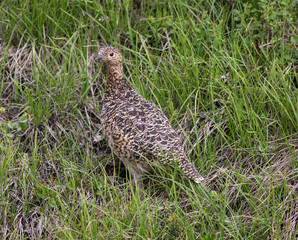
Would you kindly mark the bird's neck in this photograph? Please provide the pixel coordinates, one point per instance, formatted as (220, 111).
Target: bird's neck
(115, 77)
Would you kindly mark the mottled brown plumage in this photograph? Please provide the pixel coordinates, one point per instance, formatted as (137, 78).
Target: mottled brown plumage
(136, 130)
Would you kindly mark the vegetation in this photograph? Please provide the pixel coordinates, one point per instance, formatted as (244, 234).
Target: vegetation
(224, 72)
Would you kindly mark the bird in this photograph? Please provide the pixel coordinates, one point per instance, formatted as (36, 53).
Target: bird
(136, 130)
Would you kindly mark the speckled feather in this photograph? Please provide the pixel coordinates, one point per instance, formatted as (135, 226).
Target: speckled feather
(136, 130)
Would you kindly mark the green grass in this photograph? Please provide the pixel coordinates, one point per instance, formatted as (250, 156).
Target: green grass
(225, 75)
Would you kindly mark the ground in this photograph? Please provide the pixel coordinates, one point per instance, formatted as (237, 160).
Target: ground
(224, 72)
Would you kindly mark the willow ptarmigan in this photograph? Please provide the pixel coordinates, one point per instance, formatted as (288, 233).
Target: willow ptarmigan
(136, 130)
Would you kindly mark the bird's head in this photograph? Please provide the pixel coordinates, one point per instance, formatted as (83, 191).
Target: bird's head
(110, 56)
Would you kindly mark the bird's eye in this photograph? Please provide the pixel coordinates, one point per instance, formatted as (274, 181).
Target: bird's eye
(111, 54)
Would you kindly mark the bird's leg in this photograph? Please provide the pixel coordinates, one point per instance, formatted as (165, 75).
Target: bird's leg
(139, 184)
(137, 180)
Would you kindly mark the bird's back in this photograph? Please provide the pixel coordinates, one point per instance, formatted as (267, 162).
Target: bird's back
(140, 133)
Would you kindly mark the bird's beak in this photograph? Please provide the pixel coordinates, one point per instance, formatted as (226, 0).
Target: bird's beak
(98, 57)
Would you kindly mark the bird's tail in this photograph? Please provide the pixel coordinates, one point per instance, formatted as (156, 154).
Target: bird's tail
(189, 170)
